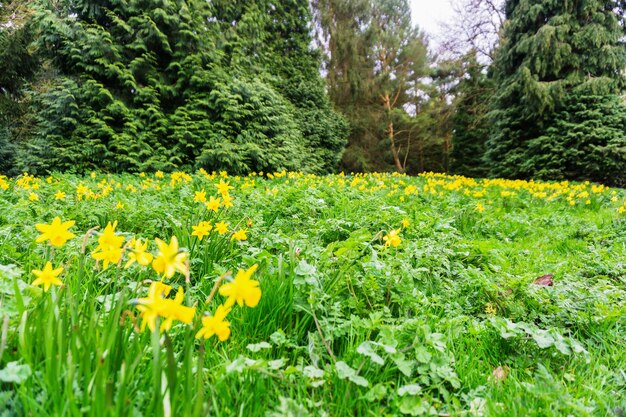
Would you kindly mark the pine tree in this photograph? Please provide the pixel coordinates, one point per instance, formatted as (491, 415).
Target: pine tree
(559, 73)
(375, 57)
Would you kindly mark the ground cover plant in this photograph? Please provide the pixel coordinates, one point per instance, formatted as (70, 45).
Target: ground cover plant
(289, 294)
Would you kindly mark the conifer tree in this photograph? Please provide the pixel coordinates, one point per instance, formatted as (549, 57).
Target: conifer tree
(18, 66)
(164, 84)
(469, 124)
(559, 73)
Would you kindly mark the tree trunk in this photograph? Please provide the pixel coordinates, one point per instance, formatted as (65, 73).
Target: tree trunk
(391, 134)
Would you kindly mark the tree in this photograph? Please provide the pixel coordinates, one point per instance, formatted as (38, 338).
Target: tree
(474, 30)
(559, 73)
(375, 58)
(470, 123)
(165, 84)
(18, 66)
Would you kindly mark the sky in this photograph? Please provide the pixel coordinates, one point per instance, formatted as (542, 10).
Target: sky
(428, 13)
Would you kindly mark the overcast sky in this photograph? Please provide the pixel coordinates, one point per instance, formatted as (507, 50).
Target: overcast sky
(428, 13)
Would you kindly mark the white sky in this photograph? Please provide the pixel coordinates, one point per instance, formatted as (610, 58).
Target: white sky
(427, 14)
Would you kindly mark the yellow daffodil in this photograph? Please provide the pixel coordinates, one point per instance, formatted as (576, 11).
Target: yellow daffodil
(138, 253)
(201, 230)
(109, 238)
(215, 325)
(169, 259)
(214, 204)
(200, 197)
(406, 222)
(157, 305)
(47, 276)
(242, 290)
(392, 239)
(108, 255)
(221, 227)
(109, 248)
(227, 200)
(239, 235)
(56, 233)
(223, 187)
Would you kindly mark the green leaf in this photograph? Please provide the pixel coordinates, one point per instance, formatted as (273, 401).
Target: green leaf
(367, 349)
(412, 389)
(15, 373)
(344, 371)
(422, 354)
(255, 347)
(376, 393)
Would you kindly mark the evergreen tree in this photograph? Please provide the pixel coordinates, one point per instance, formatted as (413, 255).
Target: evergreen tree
(559, 73)
(470, 126)
(18, 66)
(164, 84)
(375, 58)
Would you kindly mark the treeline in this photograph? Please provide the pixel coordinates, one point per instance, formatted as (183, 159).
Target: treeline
(519, 89)
(164, 84)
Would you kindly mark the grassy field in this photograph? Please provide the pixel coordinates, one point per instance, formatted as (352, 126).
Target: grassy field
(380, 295)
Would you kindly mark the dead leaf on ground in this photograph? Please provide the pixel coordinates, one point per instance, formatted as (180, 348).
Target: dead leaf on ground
(499, 374)
(545, 280)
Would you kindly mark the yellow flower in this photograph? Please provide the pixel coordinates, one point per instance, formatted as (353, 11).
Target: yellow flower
(201, 230)
(214, 204)
(479, 207)
(138, 253)
(109, 248)
(239, 235)
(33, 197)
(47, 277)
(242, 289)
(60, 195)
(159, 174)
(223, 187)
(109, 238)
(392, 239)
(119, 205)
(221, 227)
(406, 222)
(227, 200)
(215, 325)
(107, 255)
(169, 259)
(56, 232)
(157, 305)
(200, 197)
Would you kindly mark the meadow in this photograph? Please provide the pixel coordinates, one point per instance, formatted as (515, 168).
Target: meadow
(289, 294)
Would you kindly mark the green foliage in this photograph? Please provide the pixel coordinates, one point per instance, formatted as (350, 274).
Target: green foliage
(252, 130)
(560, 64)
(449, 321)
(470, 123)
(161, 84)
(376, 65)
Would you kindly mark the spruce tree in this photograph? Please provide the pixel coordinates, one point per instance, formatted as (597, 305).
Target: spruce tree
(559, 73)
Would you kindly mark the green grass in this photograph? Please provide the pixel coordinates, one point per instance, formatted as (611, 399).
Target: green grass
(346, 326)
